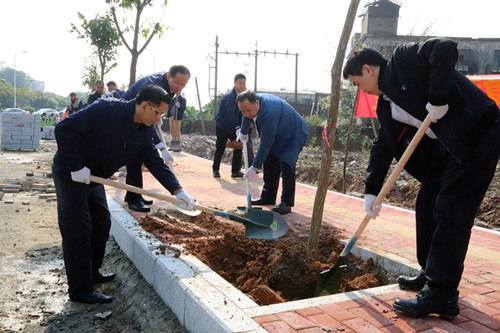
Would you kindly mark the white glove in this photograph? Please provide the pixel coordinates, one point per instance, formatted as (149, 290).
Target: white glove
(242, 137)
(182, 195)
(167, 157)
(81, 176)
(251, 174)
(436, 112)
(372, 212)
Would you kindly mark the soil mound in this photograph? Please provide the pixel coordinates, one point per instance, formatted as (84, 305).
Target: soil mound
(269, 271)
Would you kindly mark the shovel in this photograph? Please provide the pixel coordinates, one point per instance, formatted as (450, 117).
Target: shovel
(247, 184)
(329, 281)
(257, 225)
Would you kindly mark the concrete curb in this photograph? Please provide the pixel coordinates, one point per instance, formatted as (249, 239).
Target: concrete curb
(199, 297)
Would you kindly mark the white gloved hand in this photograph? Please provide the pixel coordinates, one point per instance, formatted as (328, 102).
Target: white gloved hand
(182, 195)
(167, 157)
(251, 174)
(372, 212)
(242, 137)
(81, 176)
(436, 112)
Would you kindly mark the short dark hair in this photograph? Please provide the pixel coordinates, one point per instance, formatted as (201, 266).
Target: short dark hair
(72, 94)
(239, 76)
(247, 95)
(98, 82)
(360, 57)
(178, 69)
(153, 94)
(111, 82)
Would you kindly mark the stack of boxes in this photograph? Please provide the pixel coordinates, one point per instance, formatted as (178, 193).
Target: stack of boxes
(20, 131)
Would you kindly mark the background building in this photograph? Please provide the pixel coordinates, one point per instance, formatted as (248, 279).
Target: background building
(379, 31)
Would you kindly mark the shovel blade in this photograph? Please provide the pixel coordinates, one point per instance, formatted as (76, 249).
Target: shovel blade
(273, 224)
(329, 281)
(187, 212)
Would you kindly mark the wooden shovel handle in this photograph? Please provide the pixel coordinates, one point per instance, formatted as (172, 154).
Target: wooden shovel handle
(390, 181)
(148, 193)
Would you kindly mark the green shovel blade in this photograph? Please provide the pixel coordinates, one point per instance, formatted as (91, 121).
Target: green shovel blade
(329, 281)
(259, 224)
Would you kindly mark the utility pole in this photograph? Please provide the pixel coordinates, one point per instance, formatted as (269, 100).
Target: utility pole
(15, 77)
(256, 71)
(256, 55)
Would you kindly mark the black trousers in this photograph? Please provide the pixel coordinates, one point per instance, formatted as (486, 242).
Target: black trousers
(446, 206)
(220, 147)
(84, 222)
(273, 168)
(134, 178)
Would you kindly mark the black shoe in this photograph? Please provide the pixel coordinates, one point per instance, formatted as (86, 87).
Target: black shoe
(260, 202)
(91, 296)
(238, 174)
(216, 174)
(144, 201)
(139, 207)
(147, 202)
(413, 283)
(429, 301)
(104, 277)
(282, 208)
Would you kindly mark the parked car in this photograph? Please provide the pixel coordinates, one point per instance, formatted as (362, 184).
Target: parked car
(15, 110)
(48, 112)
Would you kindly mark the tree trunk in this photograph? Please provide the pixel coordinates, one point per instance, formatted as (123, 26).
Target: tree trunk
(324, 177)
(133, 67)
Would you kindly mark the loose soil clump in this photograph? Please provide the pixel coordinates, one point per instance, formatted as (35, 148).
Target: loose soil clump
(269, 271)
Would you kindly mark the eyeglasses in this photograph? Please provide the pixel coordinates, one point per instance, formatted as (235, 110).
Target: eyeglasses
(154, 110)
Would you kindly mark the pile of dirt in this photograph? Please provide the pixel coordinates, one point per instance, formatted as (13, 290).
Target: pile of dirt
(403, 193)
(269, 271)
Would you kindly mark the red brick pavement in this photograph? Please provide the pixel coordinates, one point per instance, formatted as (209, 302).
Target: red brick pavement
(393, 232)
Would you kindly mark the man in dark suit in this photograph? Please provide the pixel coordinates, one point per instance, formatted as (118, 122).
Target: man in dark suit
(98, 140)
(455, 162)
(227, 122)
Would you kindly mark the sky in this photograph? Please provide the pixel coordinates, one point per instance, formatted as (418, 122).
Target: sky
(310, 28)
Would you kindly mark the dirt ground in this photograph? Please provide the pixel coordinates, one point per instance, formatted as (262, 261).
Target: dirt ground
(33, 285)
(403, 193)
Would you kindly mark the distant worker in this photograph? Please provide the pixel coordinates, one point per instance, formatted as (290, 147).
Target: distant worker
(173, 82)
(98, 141)
(283, 133)
(227, 122)
(74, 104)
(175, 114)
(114, 91)
(97, 93)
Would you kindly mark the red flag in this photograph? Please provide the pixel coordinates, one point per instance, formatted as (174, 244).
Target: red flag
(490, 84)
(366, 105)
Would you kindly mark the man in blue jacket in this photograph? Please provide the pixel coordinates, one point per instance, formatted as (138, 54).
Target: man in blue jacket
(455, 161)
(227, 121)
(283, 133)
(173, 82)
(99, 140)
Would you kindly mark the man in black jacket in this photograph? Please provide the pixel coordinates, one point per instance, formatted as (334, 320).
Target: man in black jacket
(455, 162)
(173, 82)
(227, 122)
(99, 140)
(97, 93)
